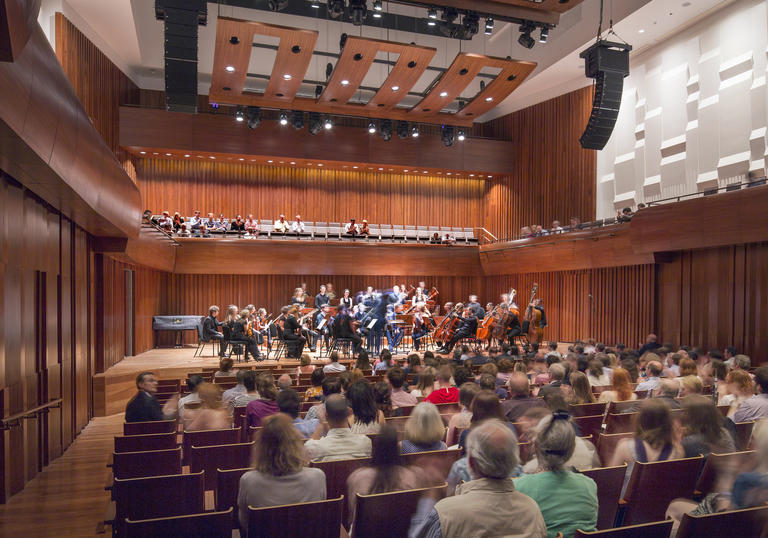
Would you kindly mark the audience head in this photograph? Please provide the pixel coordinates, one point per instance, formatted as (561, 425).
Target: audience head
(518, 385)
(741, 362)
(505, 366)
(240, 375)
(687, 367)
(487, 382)
(249, 380)
(336, 411)
(702, 417)
(669, 388)
(279, 450)
(305, 360)
(740, 382)
(363, 361)
(317, 377)
(557, 371)
(581, 389)
(210, 396)
(492, 450)
(147, 382)
(225, 364)
(761, 379)
(265, 384)
(654, 423)
(691, 384)
(555, 441)
(622, 384)
(356, 374)
(630, 366)
(467, 393)
(382, 395)
(334, 356)
(396, 377)
(193, 382)
(444, 374)
(486, 405)
(426, 380)
(654, 368)
(360, 398)
(289, 402)
(284, 382)
(424, 426)
(461, 375)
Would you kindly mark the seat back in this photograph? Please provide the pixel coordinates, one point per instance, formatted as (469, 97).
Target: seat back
(620, 423)
(589, 425)
(609, 482)
(194, 525)
(146, 463)
(160, 496)
(653, 486)
(382, 515)
(719, 466)
(659, 529)
(142, 428)
(227, 487)
(621, 407)
(743, 434)
(151, 441)
(747, 522)
(606, 445)
(385, 231)
(336, 474)
(210, 458)
(436, 462)
(586, 410)
(226, 436)
(319, 519)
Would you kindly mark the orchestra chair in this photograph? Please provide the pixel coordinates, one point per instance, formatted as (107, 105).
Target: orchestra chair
(189, 439)
(321, 230)
(658, 529)
(227, 487)
(589, 425)
(382, 515)
(239, 421)
(652, 486)
(202, 525)
(155, 426)
(620, 423)
(746, 522)
(160, 496)
(743, 434)
(251, 433)
(319, 519)
(607, 443)
(587, 409)
(201, 341)
(210, 458)
(439, 461)
(520, 340)
(609, 482)
(343, 346)
(146, 463)
(719, 465)
(150, 441)
(386, 233)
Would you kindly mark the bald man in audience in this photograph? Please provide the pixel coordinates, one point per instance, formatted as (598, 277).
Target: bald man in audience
(284, 382)
(520, 399)
(339, 442)
(487, 505)
(667, 392)
(557, 373)
(654, 369)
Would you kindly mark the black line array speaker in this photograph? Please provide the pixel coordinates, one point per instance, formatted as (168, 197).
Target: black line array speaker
(608, 64)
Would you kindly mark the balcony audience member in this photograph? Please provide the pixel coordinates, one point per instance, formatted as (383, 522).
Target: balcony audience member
(339, 442)
(738, 388)
(621, 388)
(250, 394)
(281, 225)
(445, 393)
(210, 224)
(526, 232)
(297, 226)
(625, 215)
(334, 365)
(210, 415)
(654, 439)
(165, 222)
(424, 430)
(144, 406)
(556, 228)
(434, 239)
(225, 368)
(756, 407)
(366, 416)
(582, 393)
(147, 216)
(573, 224)
(449, 238)
(385, 473)
(178, 220)
(196, 223)
(251, 226)
(704, 432)
(266, 405)
(396, 378)
(193, 382)
(364, 229)
(237, 225)
(222, 224)
(279, 476)
(351, 228)
(489, 504)
(289, 402)
(567, 499)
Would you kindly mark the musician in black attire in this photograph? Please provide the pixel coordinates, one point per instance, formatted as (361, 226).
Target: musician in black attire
(292, 334)
(537, 304)
(467, 329)
(210, 326)
(321, 299)
(513, 328)
(327, 321)
(346, 301)
(342, 328)
(476, 307)
(144, 407)
(240, 334)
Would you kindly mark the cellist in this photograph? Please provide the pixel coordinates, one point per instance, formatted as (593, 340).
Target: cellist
(467, 329)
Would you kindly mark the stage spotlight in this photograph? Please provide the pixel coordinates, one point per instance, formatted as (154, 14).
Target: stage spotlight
(385, 130)
(315, 4)
(450, 14)
(471, 25)
(329, 69)
(278, 5)
(525, 38)
(315, 123)
(402, 129)
(415, 131)
(377, 5)
(342, 42)
(358, 10)
(489, 26)
(336, 8)
(482, 85)
(372, 127)
(297, 119)
(544, 34)
(461, 136)
(283, 118)
(254, 117)
(318, 91)
(239, 115)
(328, 124)
(448, 135)
(432, 13)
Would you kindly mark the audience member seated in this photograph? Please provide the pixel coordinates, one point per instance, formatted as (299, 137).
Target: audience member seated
(364, 229)
(385, 363)
(284, 382)
(449, 238)
(400, 398)
(297, 226)
(334, 365)
(484, 406)
(654, 439)
(193, 382)
(144, 406)
(557, 373)
(178, 220)
(305, 366)
(339, 442)
(704, 432)
(487, 505)
(625, 215)
(584, 455)
(196, 223)
(351, 228)
(653, 368)
(556, 228)
(279, 476)
(366, 416)
(165, 222)
(668, 392)
(330, 385)
(281, 225)
(386, 472)
(488, 382)
(568, 500)
(315, 392)
(266, 404)
(582, 392)
(424, 430)
(210, 415)
(756, 407)
(596, 376)
(289, 402)
(688, 367)
(251, 226)
(237, 225)
(183, 231)
(426, 383)
(445, 393)
(737, 389)
(225, 368)
(209, 225)
(382, 395)
(520, 399)
(690, 384)
(230, 394)
(462, 419)
(651, 343)
(434, 239)
(250, 394)
(621, 388)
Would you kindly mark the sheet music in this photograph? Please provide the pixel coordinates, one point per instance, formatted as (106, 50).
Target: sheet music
(371, 324)
(321, 324)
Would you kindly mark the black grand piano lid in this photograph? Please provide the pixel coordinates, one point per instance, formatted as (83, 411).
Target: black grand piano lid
(175, 323)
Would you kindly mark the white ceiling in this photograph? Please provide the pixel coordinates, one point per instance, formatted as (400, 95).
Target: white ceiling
(127, 31)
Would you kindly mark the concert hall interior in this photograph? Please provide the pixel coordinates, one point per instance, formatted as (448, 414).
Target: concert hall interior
(563, 191)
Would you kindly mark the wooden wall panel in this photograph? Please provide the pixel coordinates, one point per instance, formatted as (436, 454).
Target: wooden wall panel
(317, 195)
(552, 177)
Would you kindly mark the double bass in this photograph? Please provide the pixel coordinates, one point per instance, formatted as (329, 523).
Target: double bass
(500, 329)
(532, 324)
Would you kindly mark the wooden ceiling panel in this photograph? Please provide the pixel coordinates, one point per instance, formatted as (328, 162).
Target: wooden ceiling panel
(411, 64)
(293, 57)
(460, 74)
(353, 65)
(557, 6)
(511, 76)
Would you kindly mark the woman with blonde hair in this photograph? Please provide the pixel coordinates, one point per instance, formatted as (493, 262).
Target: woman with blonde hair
(305, 367)
(424, 430)
(211, 415)
(739, 387)
(582, 392)
(621, 388)
(426, 382)
(688, 367)
(279, 476)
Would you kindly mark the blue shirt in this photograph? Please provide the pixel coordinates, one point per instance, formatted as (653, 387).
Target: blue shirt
(306, 426)
(652, 383)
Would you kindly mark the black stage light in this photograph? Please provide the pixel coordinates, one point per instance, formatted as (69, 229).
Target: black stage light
(471, 25)
(448, 135)
(342, 42)
(489, 25)
(358, 11)
(318, 91)
(432, 13)
(297, 119)
(377, 5)
(283, 118)
(278, 5)
(525, 38)
(254, 117)
(315, 123)
(415, 131)
(239, 115)
(402, 129)
(336, 8)
(328, 124)
(385, 130)
(544, 34)
(372, 127)
(329, 70)
(461, 136)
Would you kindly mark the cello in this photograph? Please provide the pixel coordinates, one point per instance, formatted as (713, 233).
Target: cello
(532, 324)
(499, 331)
(487, 325)
(446, 328)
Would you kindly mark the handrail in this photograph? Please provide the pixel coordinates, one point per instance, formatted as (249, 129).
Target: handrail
(13, 420)
(565, 237)
(148, 224)
(493, 237)
(709, 192)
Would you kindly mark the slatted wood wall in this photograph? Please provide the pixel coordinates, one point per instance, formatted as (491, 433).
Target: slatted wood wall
(553, 177)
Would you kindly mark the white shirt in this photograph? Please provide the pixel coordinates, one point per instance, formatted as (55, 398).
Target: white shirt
(281, 226)
(349, 227)
(339, 444)
(189, 398)
(334, 367)
(297, 226)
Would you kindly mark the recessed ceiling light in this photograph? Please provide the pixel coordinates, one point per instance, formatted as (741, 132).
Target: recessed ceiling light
(488, 99)
(287, 76)
(270, 162)
(167, 154)
(241, 159)
(490, 177)
(282, 162)
(319, 164)
(443, 94)
(449, 173)
(406, 171)
(345, 82)
(641, 31)
(143, 152)
(471, 175)
(187, 155)
(293, 162)
(395, 88)
(355, 167)
(155, 153)
(230, 68)
(212, 157)
(381, 169)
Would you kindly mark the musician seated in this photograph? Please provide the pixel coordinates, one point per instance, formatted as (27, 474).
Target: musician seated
(281, 225)
(449, 239)
(351, 228)
(297, 226)
(237, 225)
(364, 229)
(251, 226)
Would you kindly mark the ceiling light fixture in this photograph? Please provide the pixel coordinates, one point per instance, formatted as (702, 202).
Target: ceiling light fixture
(372, 127)
(297, 119)
(489, 25)
(395, 88)
(377, 5)
(230, 68)
(443, 94)
(385, 130)
(167, 154)
(315, 4)
(403, 130)
(488, 99)
(143, 152)
(544, 34)
(253, 115)
(328, 123)
(315, 123)
(345, 82)
(525, 38)
(287, 76)
(187, 155)
(461, 136)
(239, 115)
(432, 13)
(448, 135)
(283, 118)
(414, 132)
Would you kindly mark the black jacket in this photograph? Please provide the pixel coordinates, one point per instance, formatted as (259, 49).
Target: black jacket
(143, 408)
(209, 326)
